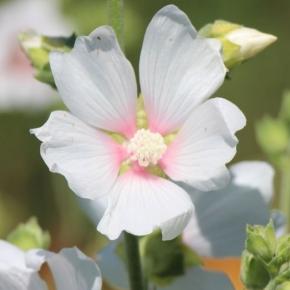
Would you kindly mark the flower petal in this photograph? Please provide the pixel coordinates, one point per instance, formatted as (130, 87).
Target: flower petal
(97, 83)
(20, 279)
(14, 274)
(87, 158)
(11, 256)
(218, 226)
(203, 146)
(70, 268)
(202, 280)
(255, 174)
(178, 69)
(113, 267)
(140, 203)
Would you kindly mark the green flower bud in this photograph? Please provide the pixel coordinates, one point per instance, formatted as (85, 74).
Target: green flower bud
(282, 251)
(284, 286)
(239, 43)
(261, 242)
(37, 48)
(29, 236)
(272, 135)
(253, 273)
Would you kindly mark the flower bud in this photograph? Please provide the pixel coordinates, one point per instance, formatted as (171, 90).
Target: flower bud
(37, 49)
(29, 236)
(239, 43)
(284, 286)
(253, 273)
(261, 241)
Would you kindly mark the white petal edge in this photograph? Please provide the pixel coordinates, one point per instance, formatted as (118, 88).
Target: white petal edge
(178, 69)
(87, 158)
(14, 273)
(255, 174)
(204, 145)
(141, 202)
(71, 269)
(97, 83)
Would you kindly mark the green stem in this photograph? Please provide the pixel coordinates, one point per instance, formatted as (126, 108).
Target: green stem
(134, 262)
(116, 18)
(284, 199)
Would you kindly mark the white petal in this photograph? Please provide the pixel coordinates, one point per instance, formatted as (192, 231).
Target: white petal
(14, 273)
(114, 269)
(97, 83)
(255, 174)
(70, 268)
(11, 256)
(204, 145)
(198, 279)
(87, 158)
(178, 70)
(20, 279)
(94, 209)
(218, 226)
(140, 203)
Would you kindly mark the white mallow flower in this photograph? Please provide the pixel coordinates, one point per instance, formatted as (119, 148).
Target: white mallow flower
(250, 40)
(188, 138)
(70, 269)
(216, 230)
(244, 201)
(18, 88)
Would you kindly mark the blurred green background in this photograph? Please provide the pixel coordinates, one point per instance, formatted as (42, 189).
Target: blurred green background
(27, 187)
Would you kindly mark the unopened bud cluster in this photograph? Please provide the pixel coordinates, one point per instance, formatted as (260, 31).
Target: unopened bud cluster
(266, 259)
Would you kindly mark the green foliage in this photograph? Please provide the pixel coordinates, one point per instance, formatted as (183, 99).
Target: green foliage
(29, 236)
(266, 260)
(272, 135)
(164, 260)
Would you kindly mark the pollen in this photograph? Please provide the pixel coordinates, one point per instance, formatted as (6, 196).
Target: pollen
(146, 147)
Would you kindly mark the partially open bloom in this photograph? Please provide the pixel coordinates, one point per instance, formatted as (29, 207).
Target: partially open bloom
(239, 43)
(105, 148)
(70, 269)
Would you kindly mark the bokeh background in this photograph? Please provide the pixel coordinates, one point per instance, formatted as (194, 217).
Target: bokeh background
(27, 188)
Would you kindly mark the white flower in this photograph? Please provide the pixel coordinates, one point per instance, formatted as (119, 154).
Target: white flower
(251, 41)
(218, 227)
(70, 268)
(217, 230)
(188, 138)
(18, 88)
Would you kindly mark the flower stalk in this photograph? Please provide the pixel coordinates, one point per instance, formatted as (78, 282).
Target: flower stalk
(116, 18)
(134, 262)
(284, 199)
